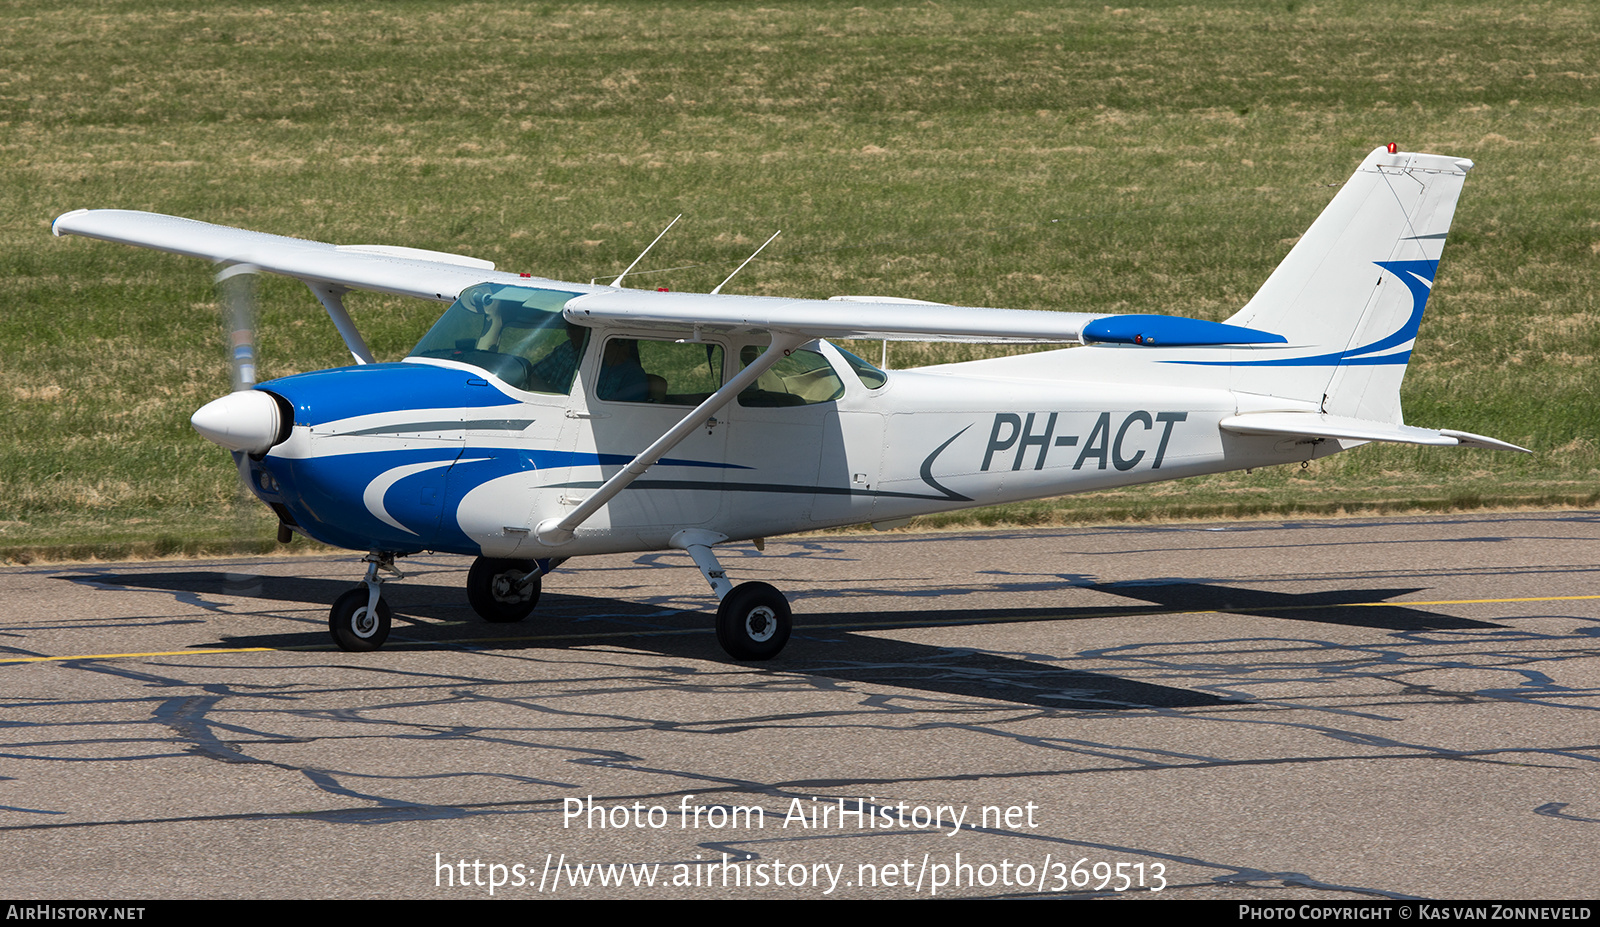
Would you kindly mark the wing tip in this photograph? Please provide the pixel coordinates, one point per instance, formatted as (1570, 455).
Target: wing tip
(1468, 439)
(56, 227)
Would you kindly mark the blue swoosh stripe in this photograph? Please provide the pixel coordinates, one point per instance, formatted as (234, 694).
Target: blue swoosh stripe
(1416, 275)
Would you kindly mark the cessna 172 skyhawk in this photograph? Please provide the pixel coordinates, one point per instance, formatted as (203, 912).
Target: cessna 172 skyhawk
(540, 420)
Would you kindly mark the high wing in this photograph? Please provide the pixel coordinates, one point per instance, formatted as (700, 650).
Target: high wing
(890, 320)
(330, 270)
(379, 268)
(899, 320)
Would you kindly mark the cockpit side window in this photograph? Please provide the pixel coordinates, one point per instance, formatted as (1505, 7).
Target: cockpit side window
(670, 373)
(516, 333)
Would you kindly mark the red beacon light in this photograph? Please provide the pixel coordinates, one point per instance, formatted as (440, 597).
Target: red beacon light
(1393, 148)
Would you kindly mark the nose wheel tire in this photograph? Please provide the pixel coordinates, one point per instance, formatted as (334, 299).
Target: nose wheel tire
(493, 593)
(753, 622)
(353, 626)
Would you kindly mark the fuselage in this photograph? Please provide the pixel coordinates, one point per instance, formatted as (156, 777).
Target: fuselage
(442, 454)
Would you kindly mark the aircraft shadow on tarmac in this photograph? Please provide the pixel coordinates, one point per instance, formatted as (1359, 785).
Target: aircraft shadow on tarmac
(1347, 607)
(823, 644)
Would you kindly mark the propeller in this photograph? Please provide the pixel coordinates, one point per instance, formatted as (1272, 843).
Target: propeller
(236, 289)
(246, 420)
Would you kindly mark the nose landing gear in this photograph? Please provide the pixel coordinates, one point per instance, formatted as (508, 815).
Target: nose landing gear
(359, 619)
(357, 626)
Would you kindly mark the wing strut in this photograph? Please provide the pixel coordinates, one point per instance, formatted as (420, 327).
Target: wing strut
(332, 299)
(554, 532)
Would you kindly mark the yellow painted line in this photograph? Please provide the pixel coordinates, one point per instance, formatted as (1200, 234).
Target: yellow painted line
(600, 635)
(1541, 598)
(125, 656)
(319, 647)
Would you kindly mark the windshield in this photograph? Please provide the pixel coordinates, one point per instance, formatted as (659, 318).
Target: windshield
(515, 333)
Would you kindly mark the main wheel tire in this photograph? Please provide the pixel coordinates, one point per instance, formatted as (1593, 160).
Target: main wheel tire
(353, 628)
(491, 589)
(753, 622)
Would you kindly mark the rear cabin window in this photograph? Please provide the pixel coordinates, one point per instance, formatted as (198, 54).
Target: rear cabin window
(803, 378)
(871, 377)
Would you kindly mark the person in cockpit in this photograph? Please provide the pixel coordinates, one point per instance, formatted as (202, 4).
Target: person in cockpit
(622, 376)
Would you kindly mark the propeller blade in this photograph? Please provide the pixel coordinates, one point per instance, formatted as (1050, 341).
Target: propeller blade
(236, 288)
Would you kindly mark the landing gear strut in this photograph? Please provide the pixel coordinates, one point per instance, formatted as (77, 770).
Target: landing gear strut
(753, 619)
(359, 619)
(503, 590)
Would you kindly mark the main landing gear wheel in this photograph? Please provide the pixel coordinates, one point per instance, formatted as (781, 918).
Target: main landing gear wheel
(753, 622)
(492, 589)
(354, 626)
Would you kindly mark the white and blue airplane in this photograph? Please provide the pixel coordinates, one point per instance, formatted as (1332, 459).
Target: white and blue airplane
(539, 421)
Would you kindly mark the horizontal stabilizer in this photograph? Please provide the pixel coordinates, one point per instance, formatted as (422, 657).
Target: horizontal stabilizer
(1321, 425)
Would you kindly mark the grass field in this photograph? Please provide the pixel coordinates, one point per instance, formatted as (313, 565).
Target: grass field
(1154, 158)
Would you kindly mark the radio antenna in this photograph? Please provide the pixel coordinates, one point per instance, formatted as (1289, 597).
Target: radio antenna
(746, 261)
(618, 281)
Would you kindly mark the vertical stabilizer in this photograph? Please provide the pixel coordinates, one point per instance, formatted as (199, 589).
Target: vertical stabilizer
(1350, 295)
